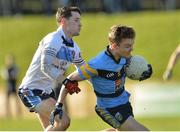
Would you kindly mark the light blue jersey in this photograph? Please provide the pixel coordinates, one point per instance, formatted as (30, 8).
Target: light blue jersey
(108, 77)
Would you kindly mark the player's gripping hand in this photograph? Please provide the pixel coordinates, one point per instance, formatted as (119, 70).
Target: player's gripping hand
(71, 86)
(147, 74)
(167, 75)
(57, 111)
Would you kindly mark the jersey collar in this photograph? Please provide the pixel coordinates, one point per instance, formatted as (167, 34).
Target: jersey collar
(108, 52)
(68, 43)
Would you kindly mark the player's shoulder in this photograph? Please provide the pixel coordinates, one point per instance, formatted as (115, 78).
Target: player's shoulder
(52, 37)
(98, 60)
(103, 61)
(100, 57)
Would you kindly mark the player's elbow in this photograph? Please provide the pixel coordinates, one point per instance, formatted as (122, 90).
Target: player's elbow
(44, 68)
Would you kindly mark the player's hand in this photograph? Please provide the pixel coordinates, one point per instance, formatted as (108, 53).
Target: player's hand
(71, 86)
(147, 74)
(167, 75)
(57, 111)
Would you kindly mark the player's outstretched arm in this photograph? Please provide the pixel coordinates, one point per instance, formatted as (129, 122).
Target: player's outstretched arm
(172, 61)
(70, 85)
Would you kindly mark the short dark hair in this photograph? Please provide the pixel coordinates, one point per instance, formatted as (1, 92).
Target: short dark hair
(118, 32)
(65, 12)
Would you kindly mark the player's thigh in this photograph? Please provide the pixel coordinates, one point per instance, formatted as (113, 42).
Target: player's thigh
(44, 109)
(132, 125)
(44, 120)
(46, 106)
(115, 116)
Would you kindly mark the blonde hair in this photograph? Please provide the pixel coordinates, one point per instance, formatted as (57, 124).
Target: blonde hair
(118, 32)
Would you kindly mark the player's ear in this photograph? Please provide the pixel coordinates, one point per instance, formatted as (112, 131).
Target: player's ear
(114, 45)
(62, 21)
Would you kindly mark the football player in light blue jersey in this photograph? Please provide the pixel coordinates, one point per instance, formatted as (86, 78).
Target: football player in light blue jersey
(107, 74)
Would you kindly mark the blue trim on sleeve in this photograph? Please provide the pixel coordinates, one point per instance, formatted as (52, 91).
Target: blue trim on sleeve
(80, 74)
(89, 73)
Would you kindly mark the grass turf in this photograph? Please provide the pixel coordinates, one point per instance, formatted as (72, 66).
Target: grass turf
(90, 124)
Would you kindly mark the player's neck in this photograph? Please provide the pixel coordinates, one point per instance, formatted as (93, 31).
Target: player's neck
(67, 34)
(114, 53)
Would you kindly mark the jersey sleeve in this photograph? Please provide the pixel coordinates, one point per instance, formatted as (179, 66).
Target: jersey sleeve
(86, 71)
(48, 61)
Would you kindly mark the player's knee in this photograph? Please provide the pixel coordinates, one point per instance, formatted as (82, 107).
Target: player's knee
(66, 123)
(63, 125)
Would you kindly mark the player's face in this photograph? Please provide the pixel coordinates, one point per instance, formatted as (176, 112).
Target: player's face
(125, 47)
(74, 24)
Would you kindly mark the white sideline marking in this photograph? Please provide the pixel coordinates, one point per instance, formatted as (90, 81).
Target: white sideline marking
(156, 99)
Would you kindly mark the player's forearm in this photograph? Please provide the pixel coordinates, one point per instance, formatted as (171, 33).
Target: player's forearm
(62, 95)
(173, 60)
(75, 76)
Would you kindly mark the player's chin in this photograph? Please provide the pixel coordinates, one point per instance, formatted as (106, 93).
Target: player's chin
(127, 55)
(77, 34)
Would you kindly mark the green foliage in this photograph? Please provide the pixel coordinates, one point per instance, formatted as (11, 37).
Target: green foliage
(157, 36)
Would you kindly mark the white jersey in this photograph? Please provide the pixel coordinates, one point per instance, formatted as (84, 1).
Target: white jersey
(50, 61)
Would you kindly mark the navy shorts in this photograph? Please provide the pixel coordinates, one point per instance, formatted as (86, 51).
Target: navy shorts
(115, 116)
(31, 98)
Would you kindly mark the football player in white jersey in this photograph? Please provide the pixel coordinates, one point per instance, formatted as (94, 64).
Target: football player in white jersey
(55, 53)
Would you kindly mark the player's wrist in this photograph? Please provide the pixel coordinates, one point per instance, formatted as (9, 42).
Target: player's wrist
(66, 81)
(59, 104)
(169, 71)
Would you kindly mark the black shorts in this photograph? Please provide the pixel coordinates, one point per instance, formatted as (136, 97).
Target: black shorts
(31, 98)
(115, 116)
